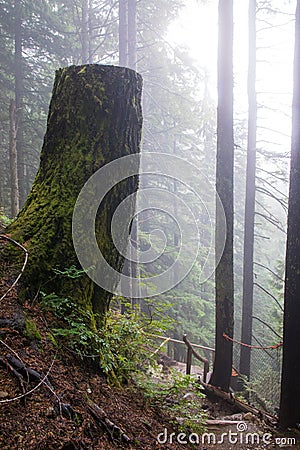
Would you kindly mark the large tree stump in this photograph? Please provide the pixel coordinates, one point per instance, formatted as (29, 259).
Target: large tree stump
(94, 117)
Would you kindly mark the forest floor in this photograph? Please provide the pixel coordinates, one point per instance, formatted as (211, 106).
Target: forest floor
(59, 412)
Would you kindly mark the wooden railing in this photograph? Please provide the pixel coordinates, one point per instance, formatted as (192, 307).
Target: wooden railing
(190, 352)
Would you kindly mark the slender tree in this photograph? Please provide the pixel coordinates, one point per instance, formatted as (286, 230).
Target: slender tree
(85, 32)
(247, 311)
(19, 95)
(90, 26)
(132, 34)
(289, 414)
(224, 181)
(13, 160)
(123, 33)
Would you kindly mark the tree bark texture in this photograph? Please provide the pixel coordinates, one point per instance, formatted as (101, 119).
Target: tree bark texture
(289, 414)
(224, 183)
(94, 117)
(247, 310)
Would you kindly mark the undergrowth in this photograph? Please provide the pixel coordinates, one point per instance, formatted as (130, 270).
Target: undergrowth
(118, 347)
(179, 394)
(121, 347)
(4, 220)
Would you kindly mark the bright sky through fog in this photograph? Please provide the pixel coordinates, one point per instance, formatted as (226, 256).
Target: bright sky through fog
(197, 29)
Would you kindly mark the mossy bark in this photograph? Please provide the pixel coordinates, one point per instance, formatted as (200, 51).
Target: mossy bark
(94, 117)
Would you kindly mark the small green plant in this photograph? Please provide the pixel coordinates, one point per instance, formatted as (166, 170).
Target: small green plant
(180, 395)
(152, 315)
(31, 331)
(71, 272)
(4, 220)
(120, 346)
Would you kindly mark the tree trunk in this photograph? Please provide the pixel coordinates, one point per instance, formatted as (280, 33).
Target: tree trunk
(132, 34)
(247, 311)
(123, 33)
(85, 32)
(19, 92)
(91, 33)
(13, 160)
(2, 173)
(94, 118)
(224, 273)
(289, 414)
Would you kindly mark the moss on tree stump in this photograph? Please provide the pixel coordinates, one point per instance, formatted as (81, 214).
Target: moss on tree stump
(94, 117)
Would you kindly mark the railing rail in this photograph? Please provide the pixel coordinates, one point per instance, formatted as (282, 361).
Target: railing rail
(190, 352)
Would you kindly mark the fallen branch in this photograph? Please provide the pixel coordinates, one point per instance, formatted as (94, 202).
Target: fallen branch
(101, 419)
(220, 422)
(242, 406)
(7, 238)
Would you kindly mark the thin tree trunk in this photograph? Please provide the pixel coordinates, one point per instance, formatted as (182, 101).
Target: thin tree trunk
(84, 32)
(289, 414)
(2, 175)
(123, 33)
(132, 60)
(247, 311)
(224, 182)
(90, 25)
(19, 92)
(175, 234)
(131, 31)
(13, 160)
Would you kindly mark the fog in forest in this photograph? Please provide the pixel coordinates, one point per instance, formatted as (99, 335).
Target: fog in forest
(173, 45)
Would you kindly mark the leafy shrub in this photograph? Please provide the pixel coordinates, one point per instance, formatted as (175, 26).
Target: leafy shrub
(4, 220)
(180, 395)
(120, 346)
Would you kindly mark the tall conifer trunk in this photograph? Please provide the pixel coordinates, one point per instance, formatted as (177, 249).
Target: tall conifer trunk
(13, 160)
(19, 93)
(123, 33)
(289, 414)
(247, 311)
(85, 32)
(224, 272)
(132, 59)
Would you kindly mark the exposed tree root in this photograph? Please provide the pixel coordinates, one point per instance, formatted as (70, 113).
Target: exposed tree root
(24, 374)
(5, 364)
(114, 432)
